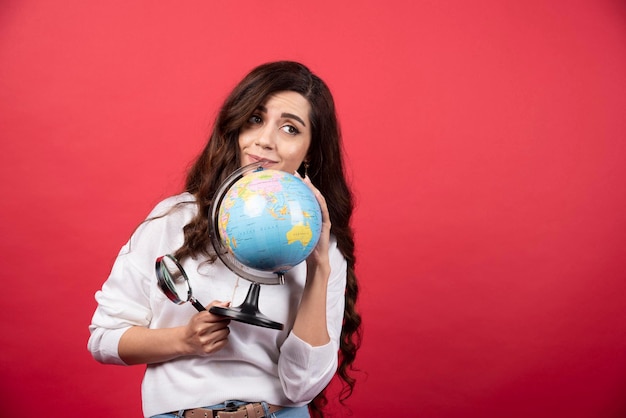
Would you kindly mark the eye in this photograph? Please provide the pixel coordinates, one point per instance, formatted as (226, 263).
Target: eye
(255, 120)
(290, 129)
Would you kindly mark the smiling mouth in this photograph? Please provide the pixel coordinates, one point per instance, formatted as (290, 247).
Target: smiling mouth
(257, 159)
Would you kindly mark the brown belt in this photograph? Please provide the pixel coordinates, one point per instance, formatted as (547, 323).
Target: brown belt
(249, 410)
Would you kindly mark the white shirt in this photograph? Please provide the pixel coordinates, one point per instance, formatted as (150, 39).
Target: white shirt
(257, 364)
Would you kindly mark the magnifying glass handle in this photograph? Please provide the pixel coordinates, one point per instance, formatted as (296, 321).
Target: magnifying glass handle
(197, 305)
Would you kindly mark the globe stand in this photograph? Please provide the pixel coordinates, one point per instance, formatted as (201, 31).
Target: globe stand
(248, 312)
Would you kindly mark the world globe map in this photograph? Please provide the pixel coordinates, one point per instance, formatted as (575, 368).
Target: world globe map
(269, 220)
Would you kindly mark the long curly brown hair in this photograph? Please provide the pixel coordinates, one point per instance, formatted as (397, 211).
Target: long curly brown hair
(220, 157)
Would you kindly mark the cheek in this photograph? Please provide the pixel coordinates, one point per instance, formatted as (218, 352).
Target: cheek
(301, 148)
(297, 153)
(243, 140)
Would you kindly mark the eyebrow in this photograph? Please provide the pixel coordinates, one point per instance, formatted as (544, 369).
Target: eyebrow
(285, 115)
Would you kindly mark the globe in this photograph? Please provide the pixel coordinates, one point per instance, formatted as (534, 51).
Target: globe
(269, 220)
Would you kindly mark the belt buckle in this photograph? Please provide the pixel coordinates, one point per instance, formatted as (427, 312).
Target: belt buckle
(230, 407)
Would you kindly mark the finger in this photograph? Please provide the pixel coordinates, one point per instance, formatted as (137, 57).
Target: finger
(219, 303)
(216, 341)
(214, 346)
(216, 316)
(321, 200)
(216, 334)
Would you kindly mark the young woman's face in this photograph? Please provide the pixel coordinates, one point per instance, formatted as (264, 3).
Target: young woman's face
(279, 132)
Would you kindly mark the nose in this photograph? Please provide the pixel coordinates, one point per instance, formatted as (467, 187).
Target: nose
(265, 138)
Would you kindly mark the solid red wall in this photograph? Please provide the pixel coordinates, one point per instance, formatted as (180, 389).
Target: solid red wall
(486, 146)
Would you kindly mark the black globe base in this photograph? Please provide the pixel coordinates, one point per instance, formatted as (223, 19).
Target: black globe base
(248, 312)
(237, 314)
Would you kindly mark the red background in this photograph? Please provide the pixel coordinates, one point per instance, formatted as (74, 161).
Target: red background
(486, 145)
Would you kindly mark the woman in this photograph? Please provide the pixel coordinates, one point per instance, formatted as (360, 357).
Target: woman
(283, 115)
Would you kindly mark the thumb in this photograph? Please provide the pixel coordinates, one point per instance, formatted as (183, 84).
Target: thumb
(219, 303)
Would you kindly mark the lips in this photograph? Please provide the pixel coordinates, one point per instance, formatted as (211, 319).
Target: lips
(256, 159)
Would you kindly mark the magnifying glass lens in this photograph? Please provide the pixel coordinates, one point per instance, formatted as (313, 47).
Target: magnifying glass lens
(176, 279)
(174, 283)
(172, 279)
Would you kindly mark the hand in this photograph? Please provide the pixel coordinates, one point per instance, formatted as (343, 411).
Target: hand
(310, 324)
(207, 333)
(319, 256)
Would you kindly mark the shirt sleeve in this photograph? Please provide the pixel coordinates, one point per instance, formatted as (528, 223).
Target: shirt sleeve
(305, 370)
(123, 302)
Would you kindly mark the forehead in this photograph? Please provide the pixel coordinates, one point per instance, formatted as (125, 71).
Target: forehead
(288, 101)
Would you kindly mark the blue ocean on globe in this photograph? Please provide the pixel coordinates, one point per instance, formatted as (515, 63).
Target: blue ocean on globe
(269, 220)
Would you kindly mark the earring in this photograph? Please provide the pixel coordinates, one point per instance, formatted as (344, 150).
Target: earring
(306, 168)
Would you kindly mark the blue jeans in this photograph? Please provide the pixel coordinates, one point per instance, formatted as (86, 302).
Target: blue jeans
(299, 412)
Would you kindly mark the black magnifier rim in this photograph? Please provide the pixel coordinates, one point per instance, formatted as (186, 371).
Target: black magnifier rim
(166, 284)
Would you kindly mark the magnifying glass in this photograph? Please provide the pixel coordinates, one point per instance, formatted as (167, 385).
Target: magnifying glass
(174, 283)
